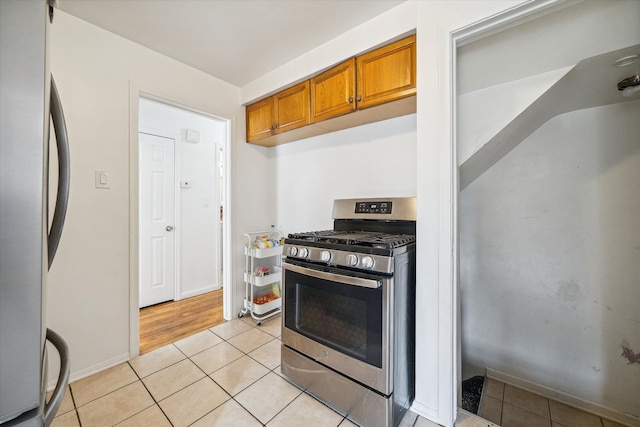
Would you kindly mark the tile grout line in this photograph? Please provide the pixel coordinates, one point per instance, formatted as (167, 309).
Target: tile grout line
(285, 407)
(187, 357)
(75, 408)
(255, 326)
(344, 417)
(120, 388)
(206, 376)
(150, 394)
(156, 403)
(251, 413)
(107, 394)
(163, 368)
(601, 419)
(231, 397)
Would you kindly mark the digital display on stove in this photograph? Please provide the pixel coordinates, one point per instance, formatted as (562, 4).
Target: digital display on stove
(373, 207)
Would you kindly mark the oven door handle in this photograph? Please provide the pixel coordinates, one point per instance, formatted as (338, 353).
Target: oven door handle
(347, 280)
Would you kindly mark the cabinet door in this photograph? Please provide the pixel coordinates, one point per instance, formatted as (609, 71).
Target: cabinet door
(387, 74)
(333, 92)
(260, 119)
(292, 107)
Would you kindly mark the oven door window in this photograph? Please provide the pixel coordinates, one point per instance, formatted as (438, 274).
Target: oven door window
(347, 318)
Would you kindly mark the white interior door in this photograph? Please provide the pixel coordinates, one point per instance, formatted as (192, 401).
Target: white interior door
(157, 219)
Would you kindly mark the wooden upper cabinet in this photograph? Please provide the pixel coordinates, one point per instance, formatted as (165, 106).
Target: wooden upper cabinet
(387, 74)
(333, 92)
(281, 112)
(260, 119)
(292, 107)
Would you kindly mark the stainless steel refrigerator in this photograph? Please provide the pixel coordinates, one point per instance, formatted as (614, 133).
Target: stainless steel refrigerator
(27, 243)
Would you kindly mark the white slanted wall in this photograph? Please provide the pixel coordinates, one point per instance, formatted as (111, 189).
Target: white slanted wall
(592, 82)
(484, 113)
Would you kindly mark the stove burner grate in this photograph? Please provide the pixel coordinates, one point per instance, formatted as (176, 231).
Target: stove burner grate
(356, 238)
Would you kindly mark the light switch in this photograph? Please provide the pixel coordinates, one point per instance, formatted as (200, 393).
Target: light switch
(103, 179)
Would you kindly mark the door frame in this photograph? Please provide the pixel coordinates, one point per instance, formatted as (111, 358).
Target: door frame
(452, 35)
(176, 207)
(137, 91)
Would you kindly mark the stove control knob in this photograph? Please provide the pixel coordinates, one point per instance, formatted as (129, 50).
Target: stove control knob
(325, 256)
(293, 251)
(367, 262)
(303, 252)
(352, 260)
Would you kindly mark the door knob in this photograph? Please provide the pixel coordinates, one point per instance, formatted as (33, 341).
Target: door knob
(169, 228)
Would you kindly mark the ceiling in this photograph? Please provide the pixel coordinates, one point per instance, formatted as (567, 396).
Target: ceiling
(234, 40)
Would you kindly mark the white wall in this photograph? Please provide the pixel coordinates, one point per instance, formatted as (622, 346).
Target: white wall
(480, 120)
(198, 227)
(550, 259)
(375, 160)
(98, 75)
(434, 20)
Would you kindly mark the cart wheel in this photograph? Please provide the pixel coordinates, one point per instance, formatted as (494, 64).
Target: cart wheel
(240, 315)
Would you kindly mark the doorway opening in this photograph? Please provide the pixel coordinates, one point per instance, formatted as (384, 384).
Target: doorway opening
(528, 270)
(181, 199)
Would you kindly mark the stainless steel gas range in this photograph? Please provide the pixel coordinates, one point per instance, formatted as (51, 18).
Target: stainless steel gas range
(348, 333)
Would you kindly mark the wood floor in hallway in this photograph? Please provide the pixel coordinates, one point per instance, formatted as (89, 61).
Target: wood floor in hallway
(164, 323)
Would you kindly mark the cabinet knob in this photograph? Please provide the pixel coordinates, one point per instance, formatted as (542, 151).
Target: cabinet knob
(350, 99)
(359, 98)
(274, 126)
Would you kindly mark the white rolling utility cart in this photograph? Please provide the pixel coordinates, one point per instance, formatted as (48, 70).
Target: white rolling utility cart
(263, 275)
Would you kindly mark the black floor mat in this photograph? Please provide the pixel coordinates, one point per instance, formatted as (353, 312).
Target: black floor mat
(471, 392)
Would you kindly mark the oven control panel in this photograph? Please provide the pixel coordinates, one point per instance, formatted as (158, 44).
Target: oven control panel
(382, 208)
(370, 262)
(374, 207)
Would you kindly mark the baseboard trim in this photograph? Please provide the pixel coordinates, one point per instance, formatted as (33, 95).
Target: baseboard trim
(199, 291)
(91, 370)
(570, 400)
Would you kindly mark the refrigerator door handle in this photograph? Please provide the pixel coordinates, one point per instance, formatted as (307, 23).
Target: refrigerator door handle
(62, 199)
(63, 378)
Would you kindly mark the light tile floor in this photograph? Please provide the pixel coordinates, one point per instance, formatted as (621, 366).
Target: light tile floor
(509, 406)
(228, 375)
